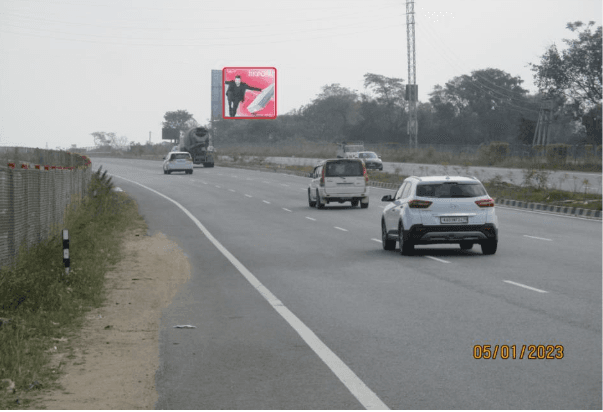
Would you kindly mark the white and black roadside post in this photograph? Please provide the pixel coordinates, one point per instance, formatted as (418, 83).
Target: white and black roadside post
(66, 261)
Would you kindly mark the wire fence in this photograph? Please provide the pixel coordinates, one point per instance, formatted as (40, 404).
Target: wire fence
(33, 202)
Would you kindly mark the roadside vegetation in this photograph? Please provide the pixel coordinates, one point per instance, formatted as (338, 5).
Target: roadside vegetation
(497, 154)
(41, 307)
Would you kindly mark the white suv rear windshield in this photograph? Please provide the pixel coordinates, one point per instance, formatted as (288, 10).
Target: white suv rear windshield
(452, 189)
(180, 156)
(344, 168)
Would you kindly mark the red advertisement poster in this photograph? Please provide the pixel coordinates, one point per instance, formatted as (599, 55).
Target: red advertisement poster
(249, 93)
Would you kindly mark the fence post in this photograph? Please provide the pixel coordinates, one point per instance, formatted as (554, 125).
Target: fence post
(66, 260)
(11, 216)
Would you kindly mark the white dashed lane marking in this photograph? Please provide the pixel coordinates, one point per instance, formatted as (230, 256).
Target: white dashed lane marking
(340, 228)
(525, 286)
(376, 240)
(265, 201)
(248, 195)
(310, 218)
(230, 190)
(287, 210)
(539, 238)
(435, 258)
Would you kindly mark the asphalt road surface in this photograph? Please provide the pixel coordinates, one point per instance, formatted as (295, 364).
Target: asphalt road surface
(299, 308)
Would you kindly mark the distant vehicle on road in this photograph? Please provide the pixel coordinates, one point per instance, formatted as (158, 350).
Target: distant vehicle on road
(439, 209)
(339, 180)
(197, 141)
(371, 160)
(178, 162)
(347, 150)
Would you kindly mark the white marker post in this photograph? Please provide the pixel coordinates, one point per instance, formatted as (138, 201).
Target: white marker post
(66, 260)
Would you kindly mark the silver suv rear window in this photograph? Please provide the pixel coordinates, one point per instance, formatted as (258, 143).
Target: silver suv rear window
(344, 168)
(180, 156)
(452, 189)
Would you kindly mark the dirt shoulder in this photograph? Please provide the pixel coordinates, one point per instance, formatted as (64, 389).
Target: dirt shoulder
(111, 363)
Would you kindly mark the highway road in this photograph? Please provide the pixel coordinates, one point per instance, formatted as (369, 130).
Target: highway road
(299, 308)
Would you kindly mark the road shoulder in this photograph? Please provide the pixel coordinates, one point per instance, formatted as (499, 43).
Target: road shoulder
(114, 359)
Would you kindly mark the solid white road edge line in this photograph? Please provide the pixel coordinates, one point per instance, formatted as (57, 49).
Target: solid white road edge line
(357, 387)
(539, 238)
(525, 286)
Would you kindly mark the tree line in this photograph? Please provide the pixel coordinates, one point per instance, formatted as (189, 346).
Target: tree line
(484, 106)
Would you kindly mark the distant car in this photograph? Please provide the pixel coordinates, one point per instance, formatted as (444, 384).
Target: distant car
(339, 180)
(178, 162)
(371, 159)
(439, 209)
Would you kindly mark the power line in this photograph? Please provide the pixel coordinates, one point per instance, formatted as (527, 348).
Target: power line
(238, 44)
(185, 25)
(480, 85)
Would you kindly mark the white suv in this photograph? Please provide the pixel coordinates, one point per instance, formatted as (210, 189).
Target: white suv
(178, 162)
(339, 180)
(439, 209)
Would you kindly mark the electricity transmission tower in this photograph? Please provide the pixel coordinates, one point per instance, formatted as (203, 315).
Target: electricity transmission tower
(541, 134)
(411, 88)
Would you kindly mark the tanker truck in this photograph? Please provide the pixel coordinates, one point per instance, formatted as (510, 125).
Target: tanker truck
(197, 142)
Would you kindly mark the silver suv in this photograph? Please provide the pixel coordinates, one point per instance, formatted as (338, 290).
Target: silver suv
(178, 162)
(439, 209)
(339, 180)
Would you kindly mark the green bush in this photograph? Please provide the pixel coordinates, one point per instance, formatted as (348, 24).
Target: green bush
(495, 152)
(556, 154)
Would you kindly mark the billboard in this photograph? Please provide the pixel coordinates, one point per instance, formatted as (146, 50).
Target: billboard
(216, 94)
(170, 134)
(248, 93)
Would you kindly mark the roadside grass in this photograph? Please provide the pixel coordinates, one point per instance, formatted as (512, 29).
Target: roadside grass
(42, 307)
(427, 155)
(533, 188)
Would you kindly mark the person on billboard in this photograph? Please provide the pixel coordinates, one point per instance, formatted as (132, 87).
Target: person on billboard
(236, 93)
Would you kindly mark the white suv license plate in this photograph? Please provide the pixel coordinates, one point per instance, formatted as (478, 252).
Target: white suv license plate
(459, 219)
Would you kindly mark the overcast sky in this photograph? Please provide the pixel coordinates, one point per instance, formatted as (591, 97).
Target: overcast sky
(69, 68)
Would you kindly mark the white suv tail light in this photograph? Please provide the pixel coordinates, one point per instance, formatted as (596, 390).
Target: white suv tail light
(485, 202)
(419, 204)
